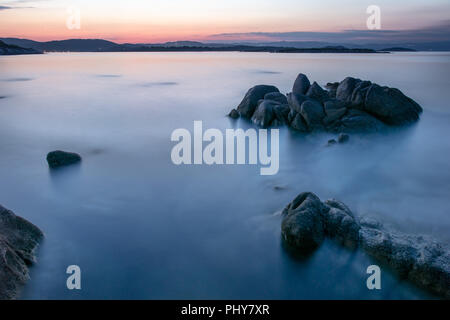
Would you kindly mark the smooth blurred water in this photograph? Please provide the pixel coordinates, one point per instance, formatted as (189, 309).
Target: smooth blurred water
(141, 227)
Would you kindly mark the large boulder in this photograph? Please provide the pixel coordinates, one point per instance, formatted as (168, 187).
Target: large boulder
(264, 114)
(358, 121)
(18, 241)
(391, 105)
(281, 113)
(340, 223)
(334, 104)
(332, 88)
(298, 122)
(276, 96)
(312, 112)
(317, 93)
(60, 158)
(345, 89)
(425, 262)
(358, 96)
(295, 101)
(302, 226)
(301, 84)
(250, 102)
(332, 115)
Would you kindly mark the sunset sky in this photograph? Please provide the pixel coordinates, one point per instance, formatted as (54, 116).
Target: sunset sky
(168, 20)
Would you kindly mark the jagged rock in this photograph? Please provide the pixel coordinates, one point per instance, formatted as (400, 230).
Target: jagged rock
(317, 93)
(281, 113)
(60, 158)
(352, 105)
(298, 123)
(276, 96)
(302, 225)
(391, 105)
(340, 223)
(333, 115)
(345, 89)
(358, 121)
(234, 114)
(270, 112)
(421, 260)
(358, 96)
(332, 85)
(334, 104)
(18, 241)
(332, 88)
(301, 84)
(296, 100)
(249, 103)
(263, 115)
(312, 112)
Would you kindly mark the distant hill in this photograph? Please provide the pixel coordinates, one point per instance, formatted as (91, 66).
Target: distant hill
(398, 49)
(75, 45)
(100, 45)
(10, 49)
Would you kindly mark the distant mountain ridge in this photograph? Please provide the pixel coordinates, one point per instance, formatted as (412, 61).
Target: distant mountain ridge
(78, 45)
(100, 45)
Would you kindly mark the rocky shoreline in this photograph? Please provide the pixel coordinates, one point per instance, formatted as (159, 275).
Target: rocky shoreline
(352, 105)
(18, 242)
(307, 221)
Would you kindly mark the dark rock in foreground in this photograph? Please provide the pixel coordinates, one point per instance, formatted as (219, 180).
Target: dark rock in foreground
(352, 105)
(307, 220)
(61, 158)
(18, 241)
(303, 226)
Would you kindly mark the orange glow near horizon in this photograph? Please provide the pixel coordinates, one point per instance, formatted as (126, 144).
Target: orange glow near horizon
(142, 21)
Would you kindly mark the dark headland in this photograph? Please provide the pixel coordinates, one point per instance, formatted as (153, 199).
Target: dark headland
(100, 45)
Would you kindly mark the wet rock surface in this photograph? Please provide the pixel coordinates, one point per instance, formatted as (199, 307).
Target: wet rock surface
(60, 158)
(18, 241)
(352, 105)
(306, 221)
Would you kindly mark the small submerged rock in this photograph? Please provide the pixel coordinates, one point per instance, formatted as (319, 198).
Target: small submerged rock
(425, 262)
(342, 138)
(18, 242)
(331, 142)
(234, 114)
(60, 158)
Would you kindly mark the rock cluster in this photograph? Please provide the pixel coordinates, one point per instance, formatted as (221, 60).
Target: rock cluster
(18, 241)
(307, 221)
(352, 105)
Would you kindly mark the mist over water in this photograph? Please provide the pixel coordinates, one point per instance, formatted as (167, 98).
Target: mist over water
(141, 227)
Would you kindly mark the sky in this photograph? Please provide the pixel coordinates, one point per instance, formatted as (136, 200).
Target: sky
(150, 21)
